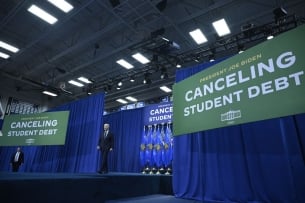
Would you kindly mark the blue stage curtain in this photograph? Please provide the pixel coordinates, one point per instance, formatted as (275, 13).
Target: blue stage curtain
(79, 154)
(255, 162)
(127, 127)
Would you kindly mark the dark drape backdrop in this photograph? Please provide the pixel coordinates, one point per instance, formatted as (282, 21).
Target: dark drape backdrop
(127, 127)
(255, 162)
(79, 154)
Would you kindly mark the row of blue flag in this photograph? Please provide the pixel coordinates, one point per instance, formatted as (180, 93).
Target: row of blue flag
(156, 146)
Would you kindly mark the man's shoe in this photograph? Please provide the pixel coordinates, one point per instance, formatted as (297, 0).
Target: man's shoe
(102, 172)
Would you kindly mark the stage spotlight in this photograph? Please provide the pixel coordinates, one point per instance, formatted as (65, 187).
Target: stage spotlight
(155, 58)
(212, 55)
(131, 79)
(164, 74)
(240, 48)
(105, 89)
(147, 79)
(212, 58)
(109, 87)
(279, 14)
(197, 58)
(248, 29)
(178, 63)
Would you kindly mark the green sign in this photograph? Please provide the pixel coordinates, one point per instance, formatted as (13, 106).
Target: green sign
(35, 129)
(264, 82)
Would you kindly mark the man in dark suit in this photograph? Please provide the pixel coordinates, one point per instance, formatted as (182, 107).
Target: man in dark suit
(105, 144)
(17, 159)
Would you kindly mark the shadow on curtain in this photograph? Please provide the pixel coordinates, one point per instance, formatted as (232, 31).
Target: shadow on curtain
(79, 154)
(255, 162)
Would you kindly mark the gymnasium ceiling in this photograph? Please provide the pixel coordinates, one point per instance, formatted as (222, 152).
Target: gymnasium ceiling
(89, 40)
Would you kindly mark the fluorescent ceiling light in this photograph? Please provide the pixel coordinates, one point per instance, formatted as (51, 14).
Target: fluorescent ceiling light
(50, 93)
(142, 59)
(85, 80)
(165, 39)
(3, 55)
(198, 36)
(42, 14)
(125, 64)
(122, 101)
(131, 99)
(62, 5)
(8, 47)
(221, 27)
(165, 89)
(78, 84)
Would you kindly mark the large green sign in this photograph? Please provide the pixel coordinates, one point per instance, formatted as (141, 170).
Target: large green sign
(35, 129)
(266, 81)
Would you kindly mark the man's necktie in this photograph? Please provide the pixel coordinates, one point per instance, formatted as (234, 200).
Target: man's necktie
(105, 134)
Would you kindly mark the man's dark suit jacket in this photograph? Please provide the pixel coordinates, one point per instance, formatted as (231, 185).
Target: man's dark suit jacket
(20, 159)
(106, 143)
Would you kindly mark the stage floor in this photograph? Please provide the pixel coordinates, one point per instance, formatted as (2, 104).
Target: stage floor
(83, 187)
(153, 199)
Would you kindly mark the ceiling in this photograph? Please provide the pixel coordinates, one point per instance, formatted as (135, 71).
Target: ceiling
(90, 39)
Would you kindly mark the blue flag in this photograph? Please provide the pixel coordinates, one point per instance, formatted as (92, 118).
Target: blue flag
(168, 146)
(149, 147)
(158, 148)
(143, 148)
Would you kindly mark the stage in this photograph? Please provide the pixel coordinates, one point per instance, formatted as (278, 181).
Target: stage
(86, 187)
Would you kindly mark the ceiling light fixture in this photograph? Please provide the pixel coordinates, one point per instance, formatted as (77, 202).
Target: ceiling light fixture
(8, 47)
(125, 64)
(78, 84)
(122, 101)
(49, 93)
(62, 5)
(165, 89)
(42, 14)
(198, 36)
(85, 80)
(221, 27)
(142, 59)
(270, 37)
(131, 99)
(120, 83)
(3, 55)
